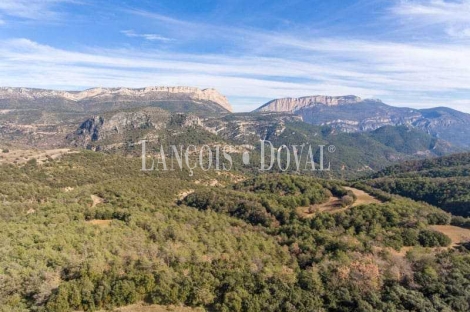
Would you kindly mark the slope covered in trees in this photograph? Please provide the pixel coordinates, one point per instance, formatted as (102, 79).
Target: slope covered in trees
(230, 247)
(443, 182)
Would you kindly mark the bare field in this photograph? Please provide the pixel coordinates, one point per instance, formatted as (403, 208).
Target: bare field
(332, 205)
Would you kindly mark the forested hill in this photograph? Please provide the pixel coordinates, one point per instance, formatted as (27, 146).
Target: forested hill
(443, 182)
(440, 167)
(90, 231)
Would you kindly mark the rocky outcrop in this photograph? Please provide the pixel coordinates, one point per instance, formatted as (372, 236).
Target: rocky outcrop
(250, 128)
(292, 105)
(118, 94)
(117, 127)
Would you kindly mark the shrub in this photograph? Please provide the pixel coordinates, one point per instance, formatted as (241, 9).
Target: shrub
(429, 238)
(461, 221)
(439, 218)
(347, 200)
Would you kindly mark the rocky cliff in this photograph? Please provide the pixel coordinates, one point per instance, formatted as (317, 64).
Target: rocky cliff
(86, 99)
(294, 104)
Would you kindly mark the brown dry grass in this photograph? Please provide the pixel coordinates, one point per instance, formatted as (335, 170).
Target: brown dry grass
(457, 234)
(334, 205)
(102, 223)
(96, 200)
(155, 308)
(362, 197)
(23, 156)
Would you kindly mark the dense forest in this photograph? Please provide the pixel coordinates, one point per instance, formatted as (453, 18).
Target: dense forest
(443, 182)
(91, 231)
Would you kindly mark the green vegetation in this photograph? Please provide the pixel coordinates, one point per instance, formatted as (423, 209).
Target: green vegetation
(443, 182)
(231, 247)
(359, 153)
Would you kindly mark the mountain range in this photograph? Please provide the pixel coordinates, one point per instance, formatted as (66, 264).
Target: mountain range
(353, 114)
(368, 134)
(106, 99)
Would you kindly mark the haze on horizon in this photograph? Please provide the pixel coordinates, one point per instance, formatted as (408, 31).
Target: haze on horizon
(407, 53)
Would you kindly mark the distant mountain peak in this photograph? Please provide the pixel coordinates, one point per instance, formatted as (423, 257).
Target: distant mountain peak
(295, 104)
(193, 93)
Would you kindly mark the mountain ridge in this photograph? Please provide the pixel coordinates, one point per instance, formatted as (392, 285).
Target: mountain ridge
(289, 104)
(99, 93)
(353, 114)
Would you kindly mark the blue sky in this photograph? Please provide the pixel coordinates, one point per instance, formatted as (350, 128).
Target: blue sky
(408, 53)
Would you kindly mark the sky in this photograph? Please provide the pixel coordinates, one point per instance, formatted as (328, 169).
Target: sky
(413, 53)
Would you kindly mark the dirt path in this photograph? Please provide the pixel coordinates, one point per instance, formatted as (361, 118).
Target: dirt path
(184, 194)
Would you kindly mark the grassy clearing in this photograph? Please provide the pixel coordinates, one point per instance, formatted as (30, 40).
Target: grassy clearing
(334, 204)
(363, 198)
(457, 234)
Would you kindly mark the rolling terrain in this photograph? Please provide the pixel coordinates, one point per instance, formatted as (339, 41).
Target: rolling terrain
(90, 231)
(443, 182)
(83, 228)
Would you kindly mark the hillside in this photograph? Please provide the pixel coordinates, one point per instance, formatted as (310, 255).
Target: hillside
(85, 231)
(353, 114)
(43, 118)
(356, 154)
(120, 132)
(116, 119)
(443, 182)
(90, 231)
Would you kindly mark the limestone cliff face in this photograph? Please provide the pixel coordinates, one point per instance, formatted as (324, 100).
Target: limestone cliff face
(116, 127)
(294, 104)
(118, 94)
(110, 130)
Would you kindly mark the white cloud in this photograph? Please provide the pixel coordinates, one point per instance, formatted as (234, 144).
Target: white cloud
(396, 72)
(439, 10)
(459, 32)
(31, 9)
(453, 15)
(266, 64)
(149, 37)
